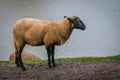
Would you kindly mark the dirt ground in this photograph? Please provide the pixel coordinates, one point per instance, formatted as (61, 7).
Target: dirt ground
(76, 70)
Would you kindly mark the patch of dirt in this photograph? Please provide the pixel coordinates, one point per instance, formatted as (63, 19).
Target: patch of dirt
(63, 71)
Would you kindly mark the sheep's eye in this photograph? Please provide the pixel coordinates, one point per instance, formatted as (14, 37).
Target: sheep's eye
(76, 20)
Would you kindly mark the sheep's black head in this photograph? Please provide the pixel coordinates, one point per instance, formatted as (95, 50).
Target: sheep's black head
(78, 24)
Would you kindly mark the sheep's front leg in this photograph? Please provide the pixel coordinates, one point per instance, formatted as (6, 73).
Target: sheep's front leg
(53, 52)
(49, 56)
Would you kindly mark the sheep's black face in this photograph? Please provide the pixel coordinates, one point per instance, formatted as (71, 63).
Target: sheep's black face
(78, 24)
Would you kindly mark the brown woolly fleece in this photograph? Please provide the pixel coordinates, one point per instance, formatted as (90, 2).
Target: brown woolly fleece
(41, 32)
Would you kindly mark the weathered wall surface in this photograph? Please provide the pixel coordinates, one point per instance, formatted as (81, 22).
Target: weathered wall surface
(102, 18)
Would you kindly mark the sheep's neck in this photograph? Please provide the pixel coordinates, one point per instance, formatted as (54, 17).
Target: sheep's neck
(65, 29)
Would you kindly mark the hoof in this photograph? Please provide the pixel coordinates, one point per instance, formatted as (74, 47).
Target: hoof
(50, 67)
(54, 65)
(23, 68)
(18, 66)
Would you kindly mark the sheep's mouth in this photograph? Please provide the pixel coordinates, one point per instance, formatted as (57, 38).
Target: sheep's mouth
(83, 27)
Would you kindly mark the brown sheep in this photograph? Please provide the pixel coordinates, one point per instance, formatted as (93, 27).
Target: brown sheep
(37, 32)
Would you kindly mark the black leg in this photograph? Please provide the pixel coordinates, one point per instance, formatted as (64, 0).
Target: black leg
(49, 57)
(16, 59)
(21, 63)
(20, 60)
(53, 52)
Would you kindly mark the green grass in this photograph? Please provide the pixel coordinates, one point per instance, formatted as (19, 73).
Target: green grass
(90, 59)
(83, 59)
(117, 78)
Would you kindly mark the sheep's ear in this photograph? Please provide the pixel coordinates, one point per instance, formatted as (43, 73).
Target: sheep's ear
(70, 20)
(65, 16)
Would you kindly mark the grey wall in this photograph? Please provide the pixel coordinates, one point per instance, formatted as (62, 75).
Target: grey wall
(102, 18)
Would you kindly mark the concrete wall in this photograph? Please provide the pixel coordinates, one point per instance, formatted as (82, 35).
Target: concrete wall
(102, 18)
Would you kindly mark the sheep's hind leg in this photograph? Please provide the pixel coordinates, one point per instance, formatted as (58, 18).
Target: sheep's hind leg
(16, 55)
(16, 59)
(49, 56)
(53, 52)
(20, 59)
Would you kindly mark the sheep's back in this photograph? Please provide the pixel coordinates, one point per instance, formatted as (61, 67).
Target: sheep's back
(33, 31)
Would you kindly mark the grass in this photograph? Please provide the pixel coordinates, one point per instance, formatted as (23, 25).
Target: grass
(90, 59)
(117, 78)
(83, 59)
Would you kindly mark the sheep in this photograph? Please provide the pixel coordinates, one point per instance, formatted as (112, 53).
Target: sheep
(37, 32)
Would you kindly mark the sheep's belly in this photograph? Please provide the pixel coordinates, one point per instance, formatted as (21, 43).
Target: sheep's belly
(35, 42)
